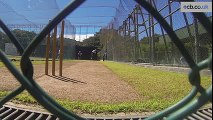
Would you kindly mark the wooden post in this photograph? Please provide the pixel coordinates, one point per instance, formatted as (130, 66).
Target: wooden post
(47, 54)
(61, 49)
(54, 51)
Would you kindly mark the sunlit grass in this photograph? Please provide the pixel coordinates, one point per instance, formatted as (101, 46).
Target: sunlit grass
(1, 64)
(17, 63)
(95, 108)
(155, 84)
(35, 61)
(158, 90)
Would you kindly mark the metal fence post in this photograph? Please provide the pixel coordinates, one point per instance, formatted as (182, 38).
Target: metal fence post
(197, 43)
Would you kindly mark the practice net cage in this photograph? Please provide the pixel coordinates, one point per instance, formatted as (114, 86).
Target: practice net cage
(135, 36)
(28, 20)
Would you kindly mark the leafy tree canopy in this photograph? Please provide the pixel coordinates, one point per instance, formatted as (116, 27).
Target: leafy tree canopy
(91, 41)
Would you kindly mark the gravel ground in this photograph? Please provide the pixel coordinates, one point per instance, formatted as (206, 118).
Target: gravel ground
(8, 82)
(88, 81)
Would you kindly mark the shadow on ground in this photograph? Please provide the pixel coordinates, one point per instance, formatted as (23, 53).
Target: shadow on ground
(65, 79)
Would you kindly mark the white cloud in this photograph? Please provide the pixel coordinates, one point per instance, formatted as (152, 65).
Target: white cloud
(79, 37)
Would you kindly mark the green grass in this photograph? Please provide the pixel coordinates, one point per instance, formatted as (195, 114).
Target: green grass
(17, 63)
(37, 61)
(1, 64)
(158, 90)
(155, 84)
(93, 108)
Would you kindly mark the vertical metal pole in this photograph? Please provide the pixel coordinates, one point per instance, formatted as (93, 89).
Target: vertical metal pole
(187, 24)
(152, 38)
(80, 34)
(113, 44)
(124, 27)
(61, 49)
(87, 32)
(143, 18)
(153, 41)
(74, 32)
(124, 38)
(170, 12)
(1, 38)
(138, 26)
(164, 39)
(145, 26)
(106, 41)
(191, 38)
(196, 40)
(171, 24)
(47, 54)
(129, 36)
(166, 46)
(54, 51)
(135, 31)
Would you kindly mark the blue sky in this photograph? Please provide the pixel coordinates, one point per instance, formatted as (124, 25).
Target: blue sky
(97, 12)
(93, 12)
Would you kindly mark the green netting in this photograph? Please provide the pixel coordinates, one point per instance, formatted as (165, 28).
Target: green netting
(147, 41)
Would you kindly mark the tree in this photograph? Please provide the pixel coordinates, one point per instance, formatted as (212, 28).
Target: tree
(145, 40)
(24, 37)
(3, 39)
(92, 41)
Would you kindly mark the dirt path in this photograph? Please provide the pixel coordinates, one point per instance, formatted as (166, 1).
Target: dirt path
(88, 81)
(8, 82)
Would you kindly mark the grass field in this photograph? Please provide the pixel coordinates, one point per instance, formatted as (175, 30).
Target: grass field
(1, 64)
(155, 84)
(36, 61)
(159, 90)
(17, 63)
